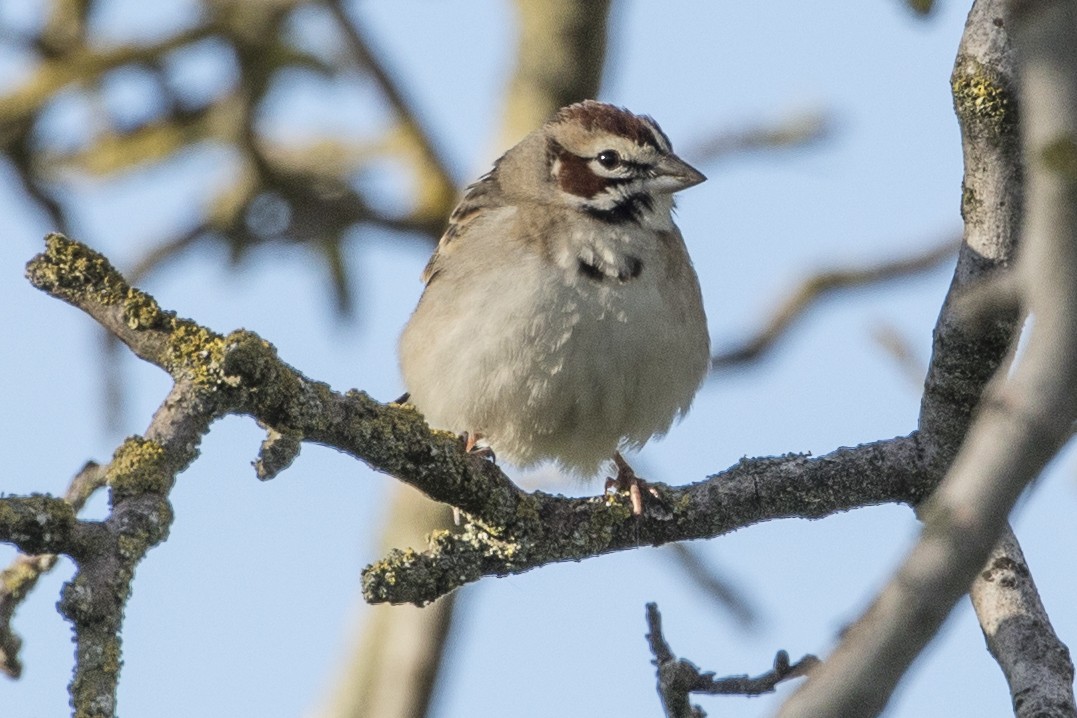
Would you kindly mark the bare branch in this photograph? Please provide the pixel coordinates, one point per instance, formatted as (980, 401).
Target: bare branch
(678, 678)
(1019, 635)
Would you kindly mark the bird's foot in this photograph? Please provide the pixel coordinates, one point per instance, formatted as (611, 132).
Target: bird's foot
(626, 480)
(471, 439)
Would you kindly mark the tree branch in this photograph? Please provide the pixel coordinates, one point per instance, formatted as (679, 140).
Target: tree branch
(18, 579)
(1024, 418)
(1019, 635)
(559, 529)
(511, 531)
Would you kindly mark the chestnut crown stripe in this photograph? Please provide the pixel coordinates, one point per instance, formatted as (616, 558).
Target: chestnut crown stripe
(592, 115)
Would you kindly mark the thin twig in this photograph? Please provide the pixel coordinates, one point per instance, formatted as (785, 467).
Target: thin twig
(679, 678)
(820, 286)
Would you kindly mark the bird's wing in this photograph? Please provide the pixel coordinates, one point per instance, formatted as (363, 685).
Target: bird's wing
(478, 197)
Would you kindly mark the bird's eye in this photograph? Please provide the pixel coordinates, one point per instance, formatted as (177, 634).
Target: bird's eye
(608, 158)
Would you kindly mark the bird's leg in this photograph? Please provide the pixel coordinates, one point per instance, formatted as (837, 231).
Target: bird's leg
(626, 480)
(470, 438)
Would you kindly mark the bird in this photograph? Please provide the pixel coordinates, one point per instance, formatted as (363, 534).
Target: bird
(562, 318)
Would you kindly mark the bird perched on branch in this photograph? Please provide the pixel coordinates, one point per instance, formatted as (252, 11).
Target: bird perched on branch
(562, 318)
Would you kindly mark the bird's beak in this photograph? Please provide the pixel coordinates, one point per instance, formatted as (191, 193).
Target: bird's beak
(672, 174)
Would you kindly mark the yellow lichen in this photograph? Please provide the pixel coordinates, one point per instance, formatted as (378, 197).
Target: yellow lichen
(111, 661)
(195, 352)
(70, 270)
(141, 311)
(982, 96)
(138, 467)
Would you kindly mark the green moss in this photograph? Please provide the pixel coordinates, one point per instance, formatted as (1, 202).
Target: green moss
(138, 467)
(133, 546)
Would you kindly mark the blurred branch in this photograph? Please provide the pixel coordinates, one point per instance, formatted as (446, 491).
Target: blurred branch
(821, 286)
(436, 187)
(81, 64)
(117, 150)
(796, 131)
(710, 583)
(922, 8)
(18, 579)
(165, 251)
(899, 347)
(679, 678)
(1026, 414)
(313, 202)
(393, 667)
(561, 50)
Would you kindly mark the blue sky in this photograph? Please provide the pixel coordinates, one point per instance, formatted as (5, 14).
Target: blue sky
(252, 601)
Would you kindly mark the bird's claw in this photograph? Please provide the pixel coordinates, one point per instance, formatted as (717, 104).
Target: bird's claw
(626, 480)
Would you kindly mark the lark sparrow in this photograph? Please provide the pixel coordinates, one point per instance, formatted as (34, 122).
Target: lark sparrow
(562, 318)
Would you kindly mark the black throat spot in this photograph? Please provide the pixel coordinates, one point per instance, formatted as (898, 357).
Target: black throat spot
(630, 209)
